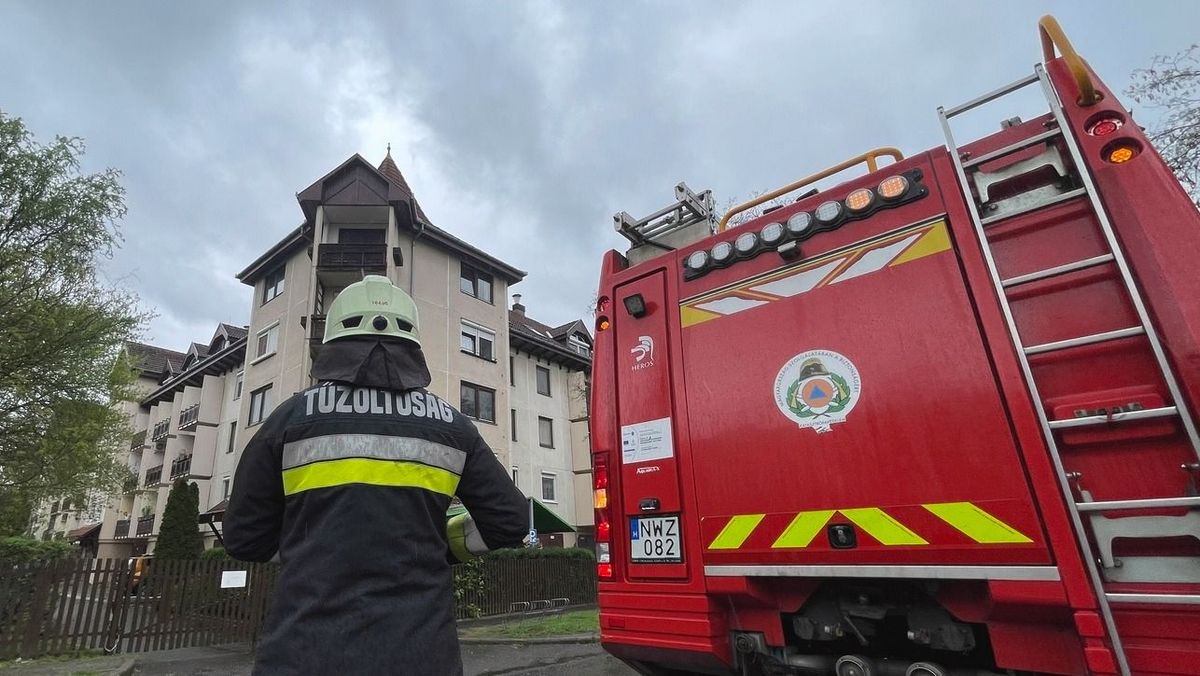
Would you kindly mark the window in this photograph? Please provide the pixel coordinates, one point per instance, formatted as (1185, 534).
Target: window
(362, 236)
(512, 371)
(232, 437)
(578, 345)
(545, 432)
(475, 283)
(268, 341)
(548, 486)
(237, 386)
(225, 488)
(273, 283)
(478, 341)
(261, 403)
(514, 471)
(477, 402)
(514, 424)
(543, 380)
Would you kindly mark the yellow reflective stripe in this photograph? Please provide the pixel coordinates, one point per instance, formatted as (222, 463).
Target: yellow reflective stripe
(736, 531)
(801, 531)
(882, 527)
(976, 523)
(368, 471)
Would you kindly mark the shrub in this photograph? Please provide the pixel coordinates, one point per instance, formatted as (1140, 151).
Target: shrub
(15, 551)
(549, 553)
(216, 554)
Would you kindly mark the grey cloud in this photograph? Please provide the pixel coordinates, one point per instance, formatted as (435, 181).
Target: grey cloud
(525, 126)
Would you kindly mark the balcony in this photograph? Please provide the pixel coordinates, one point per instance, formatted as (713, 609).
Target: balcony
(316, 334)
(145, 525)
(181, 467)
(161, 428)
(153, 476)
(341, 264)
(189, 416)
(138, 440)
(122, 530)
(130, 483)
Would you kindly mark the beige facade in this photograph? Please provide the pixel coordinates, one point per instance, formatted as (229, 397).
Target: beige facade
(201, 408)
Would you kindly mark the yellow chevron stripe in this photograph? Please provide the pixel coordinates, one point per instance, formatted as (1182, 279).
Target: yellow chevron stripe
(689, 316)
(736, 531)
(936, 240)
(801, 531)
(976, 523)
(882, 527)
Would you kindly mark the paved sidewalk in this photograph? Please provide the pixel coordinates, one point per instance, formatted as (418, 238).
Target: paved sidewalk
(492, 659)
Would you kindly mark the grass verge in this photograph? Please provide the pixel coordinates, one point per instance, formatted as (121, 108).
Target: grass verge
(558, 624)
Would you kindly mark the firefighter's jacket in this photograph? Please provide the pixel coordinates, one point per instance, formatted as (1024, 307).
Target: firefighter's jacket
(351, 485)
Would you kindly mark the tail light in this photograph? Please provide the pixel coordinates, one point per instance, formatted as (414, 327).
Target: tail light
(604, 567)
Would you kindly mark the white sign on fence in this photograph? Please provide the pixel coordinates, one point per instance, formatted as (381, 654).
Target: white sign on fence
(233, 578)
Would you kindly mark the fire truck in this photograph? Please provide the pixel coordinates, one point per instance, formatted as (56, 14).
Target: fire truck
(935, 419)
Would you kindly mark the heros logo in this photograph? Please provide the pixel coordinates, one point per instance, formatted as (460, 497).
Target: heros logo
(643, 353)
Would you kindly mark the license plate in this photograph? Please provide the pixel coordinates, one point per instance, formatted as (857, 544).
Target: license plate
(655, 539)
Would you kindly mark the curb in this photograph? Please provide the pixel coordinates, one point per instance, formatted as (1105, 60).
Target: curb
(126, 668)
(555, 640)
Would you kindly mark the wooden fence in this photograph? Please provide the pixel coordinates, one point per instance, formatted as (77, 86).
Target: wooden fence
(71, 606)
(509, 585)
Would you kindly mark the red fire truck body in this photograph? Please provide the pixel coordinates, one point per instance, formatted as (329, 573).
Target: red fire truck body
(925, 428)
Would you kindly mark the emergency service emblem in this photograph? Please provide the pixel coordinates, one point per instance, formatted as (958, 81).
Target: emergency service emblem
(817, 389)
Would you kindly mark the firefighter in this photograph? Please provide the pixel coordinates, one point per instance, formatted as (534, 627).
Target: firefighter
(349, 481)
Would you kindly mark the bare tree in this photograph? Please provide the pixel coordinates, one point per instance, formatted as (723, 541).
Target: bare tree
(753, 212)
(1171, 85)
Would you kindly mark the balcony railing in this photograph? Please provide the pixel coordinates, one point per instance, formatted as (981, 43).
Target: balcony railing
(182, 466)
(138, 440)
(130, 483)
(352, 257)
(189, 416)
(145, 525)
(122, 530)
(153, 476)
(161, 428)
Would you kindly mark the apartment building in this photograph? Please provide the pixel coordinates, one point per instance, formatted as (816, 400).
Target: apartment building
(550, 458)
(202, 406)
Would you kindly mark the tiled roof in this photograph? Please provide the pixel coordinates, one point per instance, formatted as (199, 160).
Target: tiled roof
(200, 348)
(389, 169)
(235, 332)
(151, 360)
(527, 333)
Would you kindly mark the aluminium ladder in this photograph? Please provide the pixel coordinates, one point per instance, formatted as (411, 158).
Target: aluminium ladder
(1173, 409)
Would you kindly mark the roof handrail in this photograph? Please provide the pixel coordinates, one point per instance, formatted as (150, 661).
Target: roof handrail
(1053, 36)
(869, 157)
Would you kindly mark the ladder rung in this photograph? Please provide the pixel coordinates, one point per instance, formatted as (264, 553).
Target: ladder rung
(1058, 270)
(1148, 503)
(1123, 416)
(1034, 207)
(1085, 340)
(1010, 149)
(1172, 599)
(990, 96)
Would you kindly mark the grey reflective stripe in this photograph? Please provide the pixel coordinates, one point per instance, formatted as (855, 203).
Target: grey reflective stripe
(375, 446)
(472, 538)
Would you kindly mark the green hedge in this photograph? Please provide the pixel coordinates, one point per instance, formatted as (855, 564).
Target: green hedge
(15, 551)
(548, 553)
(216, 554)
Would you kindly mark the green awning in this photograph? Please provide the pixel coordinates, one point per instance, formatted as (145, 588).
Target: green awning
(545, 520)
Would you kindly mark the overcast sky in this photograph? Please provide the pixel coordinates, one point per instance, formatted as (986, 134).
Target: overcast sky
(522, 127)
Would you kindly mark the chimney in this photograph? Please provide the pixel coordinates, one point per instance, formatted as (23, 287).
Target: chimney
(517, 307)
